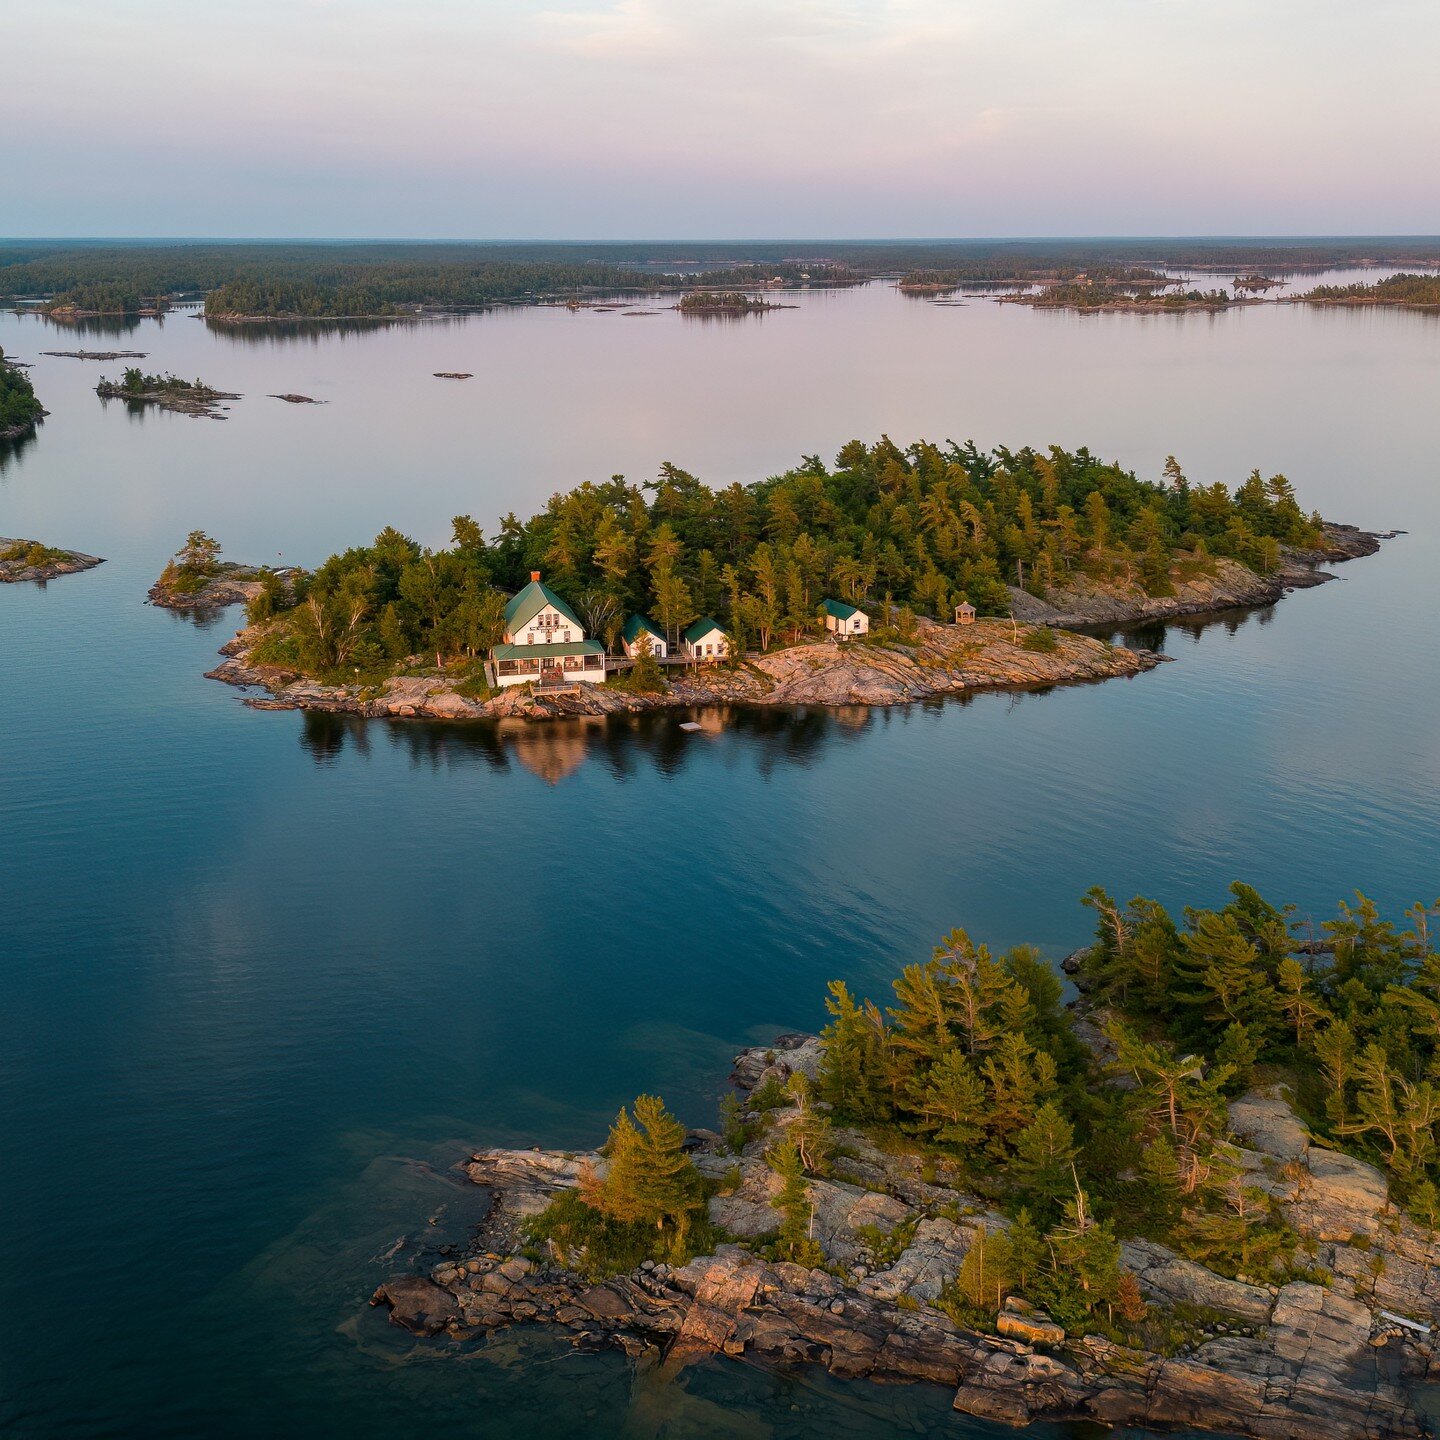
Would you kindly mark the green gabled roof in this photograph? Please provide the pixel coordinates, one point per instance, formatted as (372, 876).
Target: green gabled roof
(701, 628)
(637, 624)
(839, 609)
(526, 604)
(539, 652)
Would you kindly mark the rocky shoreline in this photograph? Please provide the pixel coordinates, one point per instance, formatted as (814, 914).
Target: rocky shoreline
(21, 569)
(1300, 1361)
(1232, 586)
(941, 660)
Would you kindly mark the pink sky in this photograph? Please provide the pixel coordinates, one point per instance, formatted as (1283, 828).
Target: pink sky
(683, 118)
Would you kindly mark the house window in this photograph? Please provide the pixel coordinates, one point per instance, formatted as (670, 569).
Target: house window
(567, 637)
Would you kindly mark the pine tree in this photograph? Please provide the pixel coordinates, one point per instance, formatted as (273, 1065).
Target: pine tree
(795, 1243)
(650, 1179)
(949, 1103)
(1028, 1251)
(1045, 1153)
(848, 1078)
(986, 1271)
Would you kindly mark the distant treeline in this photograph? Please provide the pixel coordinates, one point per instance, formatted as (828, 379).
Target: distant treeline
(1395, 290)
(388, 289)
(1026, 272)
(329, 278)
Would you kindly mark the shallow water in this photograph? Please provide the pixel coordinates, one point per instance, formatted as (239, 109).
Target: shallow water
(264, 977)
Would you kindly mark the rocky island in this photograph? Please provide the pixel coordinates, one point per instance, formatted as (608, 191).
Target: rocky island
(1101, 298)
(1221, 1219)
(168, 392)
(725, 302)
(197, 579)
(1416, 292)
(30, 560)
(959, 569)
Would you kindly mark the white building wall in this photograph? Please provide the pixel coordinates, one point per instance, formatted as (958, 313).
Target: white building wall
(546, 628)
(658, 647)
(711, 637)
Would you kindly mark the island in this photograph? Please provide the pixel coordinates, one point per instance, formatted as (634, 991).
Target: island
(1096, 297)
(896, 575)
(20, 410)
(196, 579)
(1418, 292)
(168, 392)
(725, 302)
(31, 560)
(1203, 1194)
(97, 354)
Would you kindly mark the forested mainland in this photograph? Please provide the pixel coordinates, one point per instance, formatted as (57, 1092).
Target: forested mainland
(331, 279)
(899, 531)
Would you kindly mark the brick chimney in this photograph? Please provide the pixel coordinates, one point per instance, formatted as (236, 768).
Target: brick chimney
(535, 575)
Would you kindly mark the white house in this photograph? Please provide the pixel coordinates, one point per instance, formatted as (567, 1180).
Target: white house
(705, 640)
(843, 620)
(545, 642)
(641, 633)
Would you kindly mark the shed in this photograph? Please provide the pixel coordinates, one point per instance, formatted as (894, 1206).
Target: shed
(843, 620)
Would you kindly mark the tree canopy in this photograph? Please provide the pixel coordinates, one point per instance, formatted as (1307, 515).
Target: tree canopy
(923, 526)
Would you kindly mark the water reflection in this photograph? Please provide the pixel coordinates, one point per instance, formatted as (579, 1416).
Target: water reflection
(102, 324)
(258, 333)
(1154, 634)
(626, 745)
(12, 449)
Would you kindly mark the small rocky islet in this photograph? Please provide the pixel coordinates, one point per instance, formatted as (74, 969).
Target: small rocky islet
(22, 560)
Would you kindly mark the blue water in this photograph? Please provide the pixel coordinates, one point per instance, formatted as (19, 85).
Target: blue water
(264, 977)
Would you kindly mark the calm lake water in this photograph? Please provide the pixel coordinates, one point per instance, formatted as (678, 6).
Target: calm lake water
(264, 978)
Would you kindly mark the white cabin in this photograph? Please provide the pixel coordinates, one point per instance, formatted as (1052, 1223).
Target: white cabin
(705, 640)
(844, 621)
(641, 633)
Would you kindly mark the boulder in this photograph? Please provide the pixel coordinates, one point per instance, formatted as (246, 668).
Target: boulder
(417, 1304)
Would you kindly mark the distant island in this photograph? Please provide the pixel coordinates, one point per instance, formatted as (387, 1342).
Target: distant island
(897, 574)
(1413, 291)
(168, 392)
(22, 560)
(723, 302)
(1204, 1194)
(1097, 296)
(20, 410)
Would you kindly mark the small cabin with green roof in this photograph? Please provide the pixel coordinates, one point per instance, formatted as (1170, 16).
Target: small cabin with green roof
(705, 640)
(641, 633)
(844, 621)
(545, 642)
